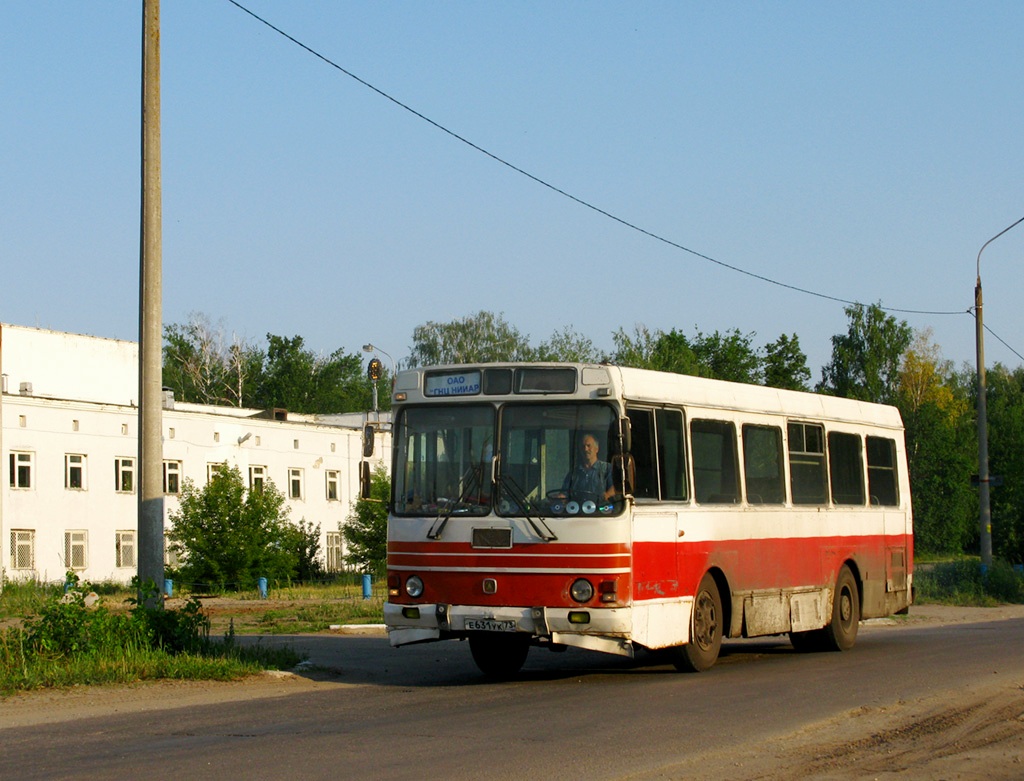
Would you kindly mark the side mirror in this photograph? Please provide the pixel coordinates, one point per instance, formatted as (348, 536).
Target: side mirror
(624, 474)
(364, 479)
(368, 434)
(626, 432)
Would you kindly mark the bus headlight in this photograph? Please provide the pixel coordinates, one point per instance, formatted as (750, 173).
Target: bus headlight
(414, 586)
(582, 590)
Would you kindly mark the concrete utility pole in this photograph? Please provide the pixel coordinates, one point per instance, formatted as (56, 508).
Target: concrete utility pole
(985, 510)
(150, 482)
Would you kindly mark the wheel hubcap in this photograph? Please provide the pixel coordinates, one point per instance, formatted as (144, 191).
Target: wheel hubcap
(705, 621)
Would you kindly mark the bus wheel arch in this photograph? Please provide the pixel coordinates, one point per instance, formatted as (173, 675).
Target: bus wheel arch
(708, 623)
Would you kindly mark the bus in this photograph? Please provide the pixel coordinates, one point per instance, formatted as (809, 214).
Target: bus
(616, 509)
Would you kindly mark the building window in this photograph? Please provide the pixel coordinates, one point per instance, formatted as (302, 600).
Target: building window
(23, 549)
(74, 471)
(125, 552)
(294, 483)
(332, 485)
(171, 558)
(172, 477)
(76, 545)
(124, 475)
(213, 470)
(74, 425)
(335, 562)
(21, 469)
(257, 477)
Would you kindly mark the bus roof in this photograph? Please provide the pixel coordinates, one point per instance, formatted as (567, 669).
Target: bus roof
(654, 387)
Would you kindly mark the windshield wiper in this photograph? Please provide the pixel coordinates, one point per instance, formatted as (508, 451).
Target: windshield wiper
(475, 479)
(519, 497)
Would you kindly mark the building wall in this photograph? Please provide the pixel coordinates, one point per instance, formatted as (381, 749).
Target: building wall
(48, 430)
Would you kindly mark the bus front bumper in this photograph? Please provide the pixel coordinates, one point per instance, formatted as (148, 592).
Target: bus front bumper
(599, 629)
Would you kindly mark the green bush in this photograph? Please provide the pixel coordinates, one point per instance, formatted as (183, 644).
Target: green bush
(964, 582)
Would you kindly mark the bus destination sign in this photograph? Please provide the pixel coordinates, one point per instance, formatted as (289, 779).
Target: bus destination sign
(452, 384)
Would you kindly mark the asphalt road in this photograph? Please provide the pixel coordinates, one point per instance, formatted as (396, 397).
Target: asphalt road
(423, 712)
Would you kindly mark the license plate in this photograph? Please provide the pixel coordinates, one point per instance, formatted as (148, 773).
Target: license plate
(489, 625)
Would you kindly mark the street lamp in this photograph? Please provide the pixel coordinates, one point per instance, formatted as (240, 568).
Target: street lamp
(985, 514)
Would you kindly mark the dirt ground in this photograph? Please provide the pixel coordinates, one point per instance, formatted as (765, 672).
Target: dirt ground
(978, 736)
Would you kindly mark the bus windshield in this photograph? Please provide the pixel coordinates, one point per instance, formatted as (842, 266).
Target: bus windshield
(555, 460)
(443, 460)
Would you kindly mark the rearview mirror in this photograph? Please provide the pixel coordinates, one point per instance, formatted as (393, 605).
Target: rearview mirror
(364, 479)
(368, 435)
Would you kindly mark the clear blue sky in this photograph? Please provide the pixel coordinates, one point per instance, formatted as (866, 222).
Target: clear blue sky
(864, 151)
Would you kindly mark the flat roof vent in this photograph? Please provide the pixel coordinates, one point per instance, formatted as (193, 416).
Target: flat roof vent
(25, 389)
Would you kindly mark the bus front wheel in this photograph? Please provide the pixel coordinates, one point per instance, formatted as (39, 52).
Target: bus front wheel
(705, 630)
(499, 656)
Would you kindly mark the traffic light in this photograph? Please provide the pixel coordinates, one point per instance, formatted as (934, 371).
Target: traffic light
(375, 370)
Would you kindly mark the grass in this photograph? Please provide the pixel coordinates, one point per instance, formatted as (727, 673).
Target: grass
(57, 640)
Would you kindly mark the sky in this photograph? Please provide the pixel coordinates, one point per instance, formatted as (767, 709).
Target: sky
(835, 152)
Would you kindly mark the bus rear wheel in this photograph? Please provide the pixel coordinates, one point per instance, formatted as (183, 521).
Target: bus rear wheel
(705, 630)
(841, 631)
(499, 656)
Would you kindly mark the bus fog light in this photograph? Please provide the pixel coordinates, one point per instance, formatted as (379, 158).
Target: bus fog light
(582, 590)
(410, 612)
(579, 617)
(414, 586)
(607, 589)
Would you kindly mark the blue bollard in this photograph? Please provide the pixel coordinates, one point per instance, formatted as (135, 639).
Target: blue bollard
(261, 586)
(366, 587)
(168, 588)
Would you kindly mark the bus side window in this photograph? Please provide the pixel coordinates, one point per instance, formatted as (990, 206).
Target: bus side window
(883, 486)
(641, 421)
(807, 463)
(762, 464)
(846, 468)
(715, 473)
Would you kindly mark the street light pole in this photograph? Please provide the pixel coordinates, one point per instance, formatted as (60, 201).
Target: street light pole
(985, 510)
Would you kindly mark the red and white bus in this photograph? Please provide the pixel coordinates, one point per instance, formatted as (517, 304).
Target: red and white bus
(613, 508)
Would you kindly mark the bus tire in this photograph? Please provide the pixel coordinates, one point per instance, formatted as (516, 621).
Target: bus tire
(701, 652)
(841, 632)
(499, 656)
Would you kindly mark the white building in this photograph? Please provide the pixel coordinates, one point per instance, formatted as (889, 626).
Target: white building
(69, 437)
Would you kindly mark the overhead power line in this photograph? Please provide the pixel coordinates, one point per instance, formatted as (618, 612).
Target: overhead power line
(576, 199)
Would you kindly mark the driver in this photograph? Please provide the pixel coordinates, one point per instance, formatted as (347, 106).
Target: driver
(591, 478)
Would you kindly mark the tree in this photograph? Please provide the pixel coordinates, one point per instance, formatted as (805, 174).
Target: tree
(297, 379)
(228, 536)
(636, 349)
(568, 345)
(201, 367)
(365, 530)
(865, 361)
(941, 449)
(476, 338)
(729, 356)
(1006, 459)
(785, 364)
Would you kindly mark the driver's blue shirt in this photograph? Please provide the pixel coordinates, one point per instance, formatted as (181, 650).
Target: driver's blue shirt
(589, 481)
